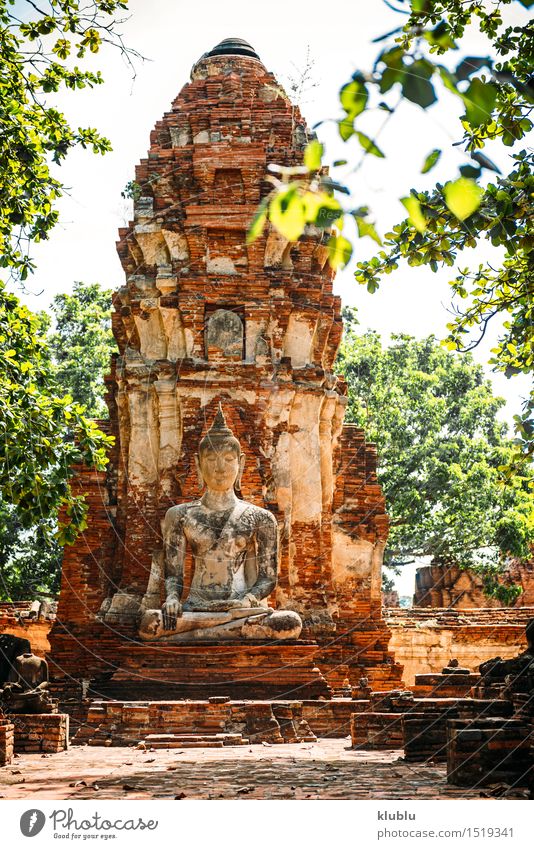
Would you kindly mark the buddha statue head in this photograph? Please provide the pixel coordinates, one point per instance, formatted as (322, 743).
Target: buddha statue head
(220, 460)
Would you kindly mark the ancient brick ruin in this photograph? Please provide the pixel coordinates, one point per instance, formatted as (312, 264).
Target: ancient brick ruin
(449, 586)
(205, 318)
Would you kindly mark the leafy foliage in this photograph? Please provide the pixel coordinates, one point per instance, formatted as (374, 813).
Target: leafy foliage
(30, 558)
(496, 92)
(62, 370)
(43, 432)
(440, 445)
(39, 58)
(82, 344)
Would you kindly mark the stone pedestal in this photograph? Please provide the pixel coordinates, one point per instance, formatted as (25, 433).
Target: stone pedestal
(439, 685)
(41, 732)
(488, 751)
(7, 741)
(251, 671)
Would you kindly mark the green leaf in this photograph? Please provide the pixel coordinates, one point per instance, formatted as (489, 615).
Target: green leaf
(448, 79)
(313, 155)
(369, 146)
(421, 5)
(353, 97)
(258, 222)
(441, 35)
(339, 252)
(416, 86)
(287, 213)
(415, 214)
(366, 228)
(470, 171)
(346, 129)
(431, 160)
(321, 208)
(479, 102)
(463, 197)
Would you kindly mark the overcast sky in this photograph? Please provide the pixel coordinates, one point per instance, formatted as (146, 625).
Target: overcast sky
(172, 35)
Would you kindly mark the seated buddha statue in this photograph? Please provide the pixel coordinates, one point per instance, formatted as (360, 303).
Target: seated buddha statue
(235, 558)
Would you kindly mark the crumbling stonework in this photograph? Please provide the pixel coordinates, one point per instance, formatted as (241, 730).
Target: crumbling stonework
(450, 586)
(380, 723)
(22, 619)
(216, 723)
(205, 318)
(486, 751)
(423, 640)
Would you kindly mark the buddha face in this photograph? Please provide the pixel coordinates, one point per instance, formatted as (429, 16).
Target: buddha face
(220, 464)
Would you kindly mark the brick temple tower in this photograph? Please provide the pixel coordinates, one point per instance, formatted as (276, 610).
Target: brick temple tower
(205, 318)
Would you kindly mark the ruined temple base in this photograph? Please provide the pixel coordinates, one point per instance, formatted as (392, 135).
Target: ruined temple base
(126, 669)
(121, 723)
(184, 724)
(240, 671)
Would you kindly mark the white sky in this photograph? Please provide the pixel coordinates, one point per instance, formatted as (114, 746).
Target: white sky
(173, 34)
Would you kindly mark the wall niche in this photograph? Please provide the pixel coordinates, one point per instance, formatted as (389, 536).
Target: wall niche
(227, 252)
(228, 186)
(224, 333)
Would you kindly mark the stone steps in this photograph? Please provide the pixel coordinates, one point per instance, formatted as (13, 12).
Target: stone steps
(191, 741)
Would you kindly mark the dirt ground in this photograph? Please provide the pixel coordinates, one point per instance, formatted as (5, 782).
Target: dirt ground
(328, 769)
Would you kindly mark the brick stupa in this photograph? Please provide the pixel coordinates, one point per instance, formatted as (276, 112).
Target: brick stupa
(205, 318)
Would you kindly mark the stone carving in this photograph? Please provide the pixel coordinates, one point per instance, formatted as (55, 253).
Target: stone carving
(235, 552)
(26, 689)
(224, 335)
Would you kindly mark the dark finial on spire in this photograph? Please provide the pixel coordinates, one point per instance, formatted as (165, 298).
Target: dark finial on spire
(233, 47)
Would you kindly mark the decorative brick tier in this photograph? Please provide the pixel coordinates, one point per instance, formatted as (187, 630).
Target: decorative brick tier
(240, 671)
(41, 732)
(218, 723)
(7, 741)
(487, 751)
